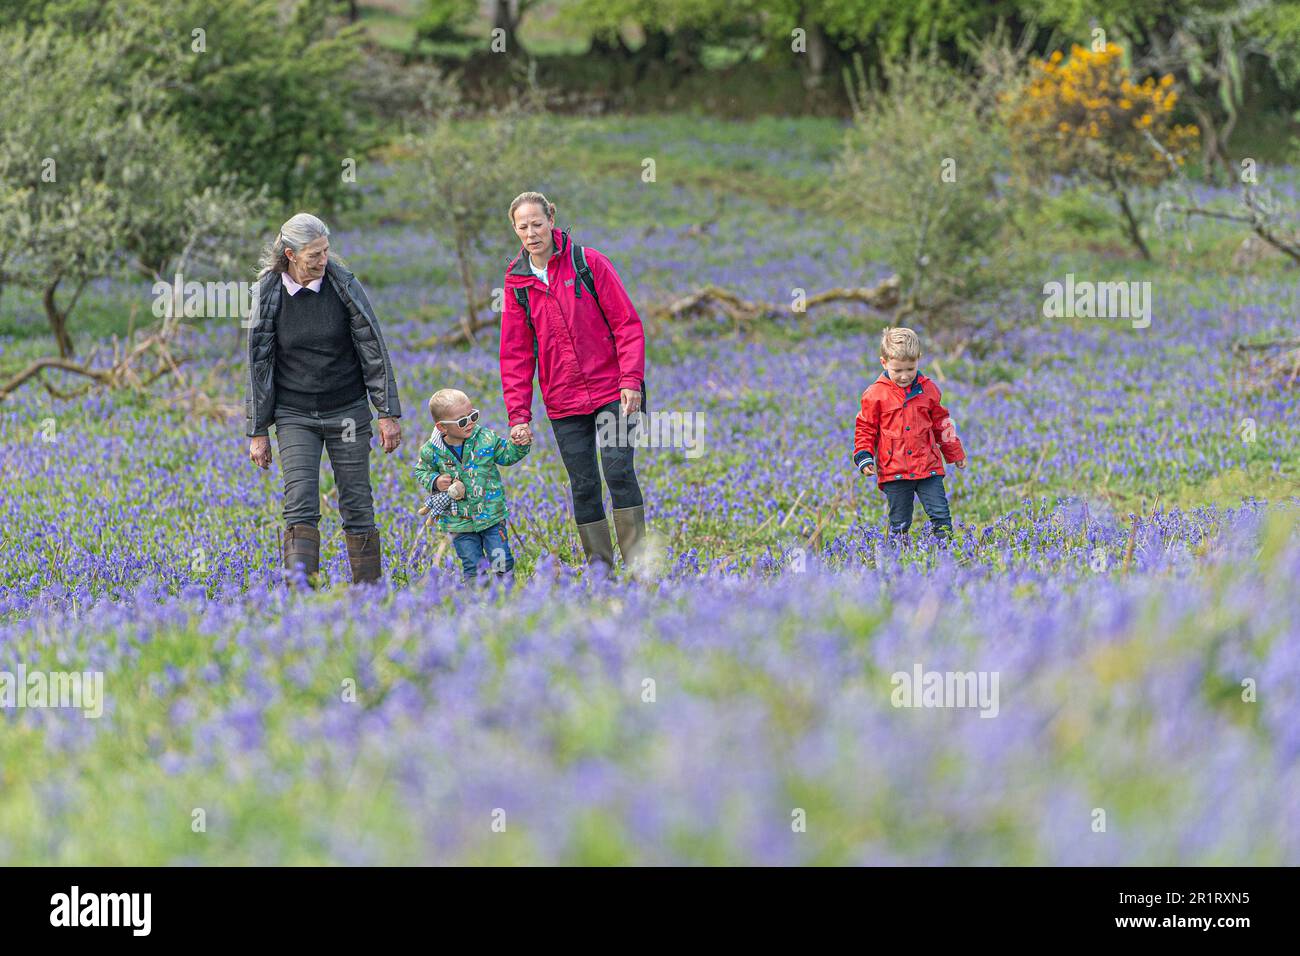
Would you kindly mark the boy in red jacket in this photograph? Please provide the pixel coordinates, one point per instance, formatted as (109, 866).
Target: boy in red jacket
(901, 431)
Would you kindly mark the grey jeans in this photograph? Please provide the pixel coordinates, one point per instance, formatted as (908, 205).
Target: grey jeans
(345, 434)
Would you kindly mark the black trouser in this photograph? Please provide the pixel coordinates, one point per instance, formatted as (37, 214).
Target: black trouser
(900, 493)
(345, 434)
(578, 437)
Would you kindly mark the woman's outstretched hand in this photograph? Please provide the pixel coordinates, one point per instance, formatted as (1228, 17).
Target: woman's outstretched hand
(522, 434)
(390, 434)
(259, 451)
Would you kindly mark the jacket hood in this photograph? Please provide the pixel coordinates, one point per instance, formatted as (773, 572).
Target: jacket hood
(914, 389)
(519, 266)
(435, 438)
(332, 266)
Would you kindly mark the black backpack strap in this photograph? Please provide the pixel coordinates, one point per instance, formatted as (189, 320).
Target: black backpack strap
(585, 278)
(521, 296)
(579, 258)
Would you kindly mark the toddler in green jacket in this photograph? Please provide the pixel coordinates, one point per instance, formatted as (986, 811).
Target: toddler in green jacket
(462, 457)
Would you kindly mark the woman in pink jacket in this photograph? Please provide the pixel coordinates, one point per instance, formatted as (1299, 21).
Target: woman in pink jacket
(568, 318)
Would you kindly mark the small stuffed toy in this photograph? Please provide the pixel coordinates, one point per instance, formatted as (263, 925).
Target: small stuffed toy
(457, 490)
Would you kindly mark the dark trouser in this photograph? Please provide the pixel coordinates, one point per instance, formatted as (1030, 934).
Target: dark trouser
(491, 543)
(345, 434)
(578, 437)
(900, 492)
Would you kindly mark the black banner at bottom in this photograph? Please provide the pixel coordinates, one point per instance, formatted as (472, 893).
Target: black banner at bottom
(337, 906)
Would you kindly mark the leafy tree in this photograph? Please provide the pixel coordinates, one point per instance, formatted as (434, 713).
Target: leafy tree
(1086, 116)
(271, 86)
(1207, 45)
(94, 179)
(440, 21)
(675, 31)
(475, 166)
(917, 171)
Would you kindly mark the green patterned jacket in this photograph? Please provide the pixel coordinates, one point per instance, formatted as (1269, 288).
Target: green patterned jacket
(484, 503)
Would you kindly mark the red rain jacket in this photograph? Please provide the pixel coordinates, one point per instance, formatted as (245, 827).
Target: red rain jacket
(583, 359)
(905, 432)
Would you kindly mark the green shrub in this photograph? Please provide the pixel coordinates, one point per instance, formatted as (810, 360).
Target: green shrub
(917, 176)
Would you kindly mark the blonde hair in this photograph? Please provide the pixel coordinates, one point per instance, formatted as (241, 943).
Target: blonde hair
(899, 344)
(443, 400)
(523, 199)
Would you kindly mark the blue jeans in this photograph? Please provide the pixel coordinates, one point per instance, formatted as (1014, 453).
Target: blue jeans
(490, 543)
(900, 493)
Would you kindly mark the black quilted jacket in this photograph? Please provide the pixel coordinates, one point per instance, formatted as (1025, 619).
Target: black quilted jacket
(259, 406)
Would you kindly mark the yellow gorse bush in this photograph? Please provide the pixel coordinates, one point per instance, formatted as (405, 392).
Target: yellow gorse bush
(1086, 114)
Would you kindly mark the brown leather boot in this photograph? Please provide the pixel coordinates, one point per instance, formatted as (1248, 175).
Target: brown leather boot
(629, 525)
(363, 555)
(595, 542)
(302, 549)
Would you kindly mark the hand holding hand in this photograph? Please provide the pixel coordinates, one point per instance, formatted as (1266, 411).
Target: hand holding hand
(259, 451)
(522, 434)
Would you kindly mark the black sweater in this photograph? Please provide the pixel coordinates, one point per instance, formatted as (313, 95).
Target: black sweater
(316, 364)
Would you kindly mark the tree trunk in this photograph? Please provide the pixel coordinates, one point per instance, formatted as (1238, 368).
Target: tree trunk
(686, 52)
(1130, 220)
(610, 46)
(58, 321)
(504, 19)
(817, 56)
(656, 45)
(468, 320)
(1213, 162)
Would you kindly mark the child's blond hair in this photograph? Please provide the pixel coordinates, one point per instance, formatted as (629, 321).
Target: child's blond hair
(443, 401)
(899, 344)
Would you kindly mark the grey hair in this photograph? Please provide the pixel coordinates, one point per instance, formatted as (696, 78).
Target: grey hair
(300, 230)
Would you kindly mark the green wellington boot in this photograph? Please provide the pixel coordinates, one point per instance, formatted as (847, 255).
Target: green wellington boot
(595, 542)
(629, 525)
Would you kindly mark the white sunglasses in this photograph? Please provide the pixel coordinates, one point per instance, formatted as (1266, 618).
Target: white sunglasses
(464, 420)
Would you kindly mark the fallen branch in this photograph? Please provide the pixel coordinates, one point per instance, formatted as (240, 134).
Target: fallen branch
(1261, 346)
(122, 373)
(40, 365)
(1259, 214)
(884, 295)
(1282, 367)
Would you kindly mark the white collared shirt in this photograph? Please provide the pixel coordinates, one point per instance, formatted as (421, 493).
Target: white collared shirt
(540, 273)
(292, 287)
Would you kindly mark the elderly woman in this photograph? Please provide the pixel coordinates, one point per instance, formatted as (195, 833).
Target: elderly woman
(568, 318)
(314, 354)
